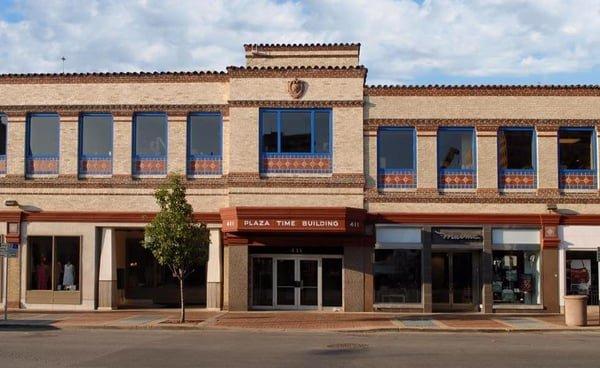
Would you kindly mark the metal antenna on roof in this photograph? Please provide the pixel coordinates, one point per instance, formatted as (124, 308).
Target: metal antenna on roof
(63, 63)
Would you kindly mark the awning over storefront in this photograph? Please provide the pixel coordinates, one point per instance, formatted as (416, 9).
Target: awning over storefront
(342, 220)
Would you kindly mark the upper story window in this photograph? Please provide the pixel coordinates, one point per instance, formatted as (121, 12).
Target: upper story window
(42, 144)
(577, 158)
(95, 144)
(204, 144)
(517, 158)
(456, 158)
(295, 140)
(3, 142)
(150, 144)
(396, 158)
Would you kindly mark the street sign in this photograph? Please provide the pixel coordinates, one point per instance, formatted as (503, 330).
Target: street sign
(9, 250)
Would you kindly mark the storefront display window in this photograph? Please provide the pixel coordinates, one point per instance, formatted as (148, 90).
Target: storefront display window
(54, 263)
(516, 277)
(397, 276)
(582, 275)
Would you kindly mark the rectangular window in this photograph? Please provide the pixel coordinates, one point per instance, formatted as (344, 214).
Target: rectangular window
(577, 163)
(295, 140)
(204, 144)
(43, 144)
(3, 142)
(456, 158)
(396, 158)
(582, 275)
(397, 276)
(95, 144)
(516, 277)
(517, 158)
(150, 144)
(54, 263)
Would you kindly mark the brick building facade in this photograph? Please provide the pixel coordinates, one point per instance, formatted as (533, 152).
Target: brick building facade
(320, 192)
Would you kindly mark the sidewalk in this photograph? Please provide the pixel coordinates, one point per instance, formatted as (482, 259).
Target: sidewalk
(316, 321)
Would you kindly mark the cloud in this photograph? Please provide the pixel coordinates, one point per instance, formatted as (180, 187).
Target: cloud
(403, 41)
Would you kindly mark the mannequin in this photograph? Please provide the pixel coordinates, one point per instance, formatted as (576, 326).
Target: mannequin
(42, 274)
(69, 275)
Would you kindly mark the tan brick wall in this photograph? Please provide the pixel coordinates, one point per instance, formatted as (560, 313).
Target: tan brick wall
(303, 61)
(426, 159)
(547, 159)
(347, 140)
(68, 145)
(177, 144)
(487, 160)
(113, 94)
(243, 140)
(325, 89)
(103, 200)
(370, 159)
(15, 153)
(482, 107)
(122, 145)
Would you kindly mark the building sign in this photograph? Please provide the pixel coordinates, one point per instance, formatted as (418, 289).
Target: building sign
(440, 235)
(9, 250)
(301, 220)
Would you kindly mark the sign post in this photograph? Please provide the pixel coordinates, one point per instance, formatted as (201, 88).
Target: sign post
(7, 250)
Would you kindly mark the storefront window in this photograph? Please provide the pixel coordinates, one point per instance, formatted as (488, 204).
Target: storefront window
(54, 263)
(397, 276)
(516, 277)
(262, 281)
(582, 275)
(40, 253)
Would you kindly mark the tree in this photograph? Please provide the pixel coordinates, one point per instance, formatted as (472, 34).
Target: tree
(173, 237)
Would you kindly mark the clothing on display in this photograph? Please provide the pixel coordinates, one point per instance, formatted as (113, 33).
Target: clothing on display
(69, 276)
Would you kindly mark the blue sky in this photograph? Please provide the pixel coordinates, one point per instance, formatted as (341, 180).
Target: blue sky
(403, 41)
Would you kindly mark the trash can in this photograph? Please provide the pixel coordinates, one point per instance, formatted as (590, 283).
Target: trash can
(576, 310)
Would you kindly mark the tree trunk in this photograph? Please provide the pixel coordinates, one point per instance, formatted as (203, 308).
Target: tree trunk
(182, 318)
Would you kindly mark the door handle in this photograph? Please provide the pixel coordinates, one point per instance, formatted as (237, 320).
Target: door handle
(297, 284)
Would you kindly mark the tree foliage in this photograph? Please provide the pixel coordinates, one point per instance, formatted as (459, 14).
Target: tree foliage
(173, 237)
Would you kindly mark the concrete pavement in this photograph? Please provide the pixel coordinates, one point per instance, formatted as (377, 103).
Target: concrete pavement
(318, 321)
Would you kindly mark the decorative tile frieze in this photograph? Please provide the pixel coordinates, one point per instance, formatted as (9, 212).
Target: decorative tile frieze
(457, 179)
(42, 165)
(210, 165)
(484, 125)
(95, 166)
(578, 179)
(149, 166)
(2, 164)
(295, 163)
(518, 179)
(397, 179)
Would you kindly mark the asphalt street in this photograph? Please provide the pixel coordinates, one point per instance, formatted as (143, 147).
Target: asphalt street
(212, 348)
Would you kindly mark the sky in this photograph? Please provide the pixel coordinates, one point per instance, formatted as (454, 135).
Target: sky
(403, 41)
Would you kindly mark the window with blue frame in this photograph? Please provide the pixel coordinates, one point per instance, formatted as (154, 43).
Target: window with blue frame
(295, 140)
(456, 158)
(517, 158)
(3, 142)
(577, 158)
(42, 144)
(150, 144)
(204, 144)
(396, 158)
(95, 144)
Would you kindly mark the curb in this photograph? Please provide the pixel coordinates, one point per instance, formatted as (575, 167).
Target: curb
(203, 327)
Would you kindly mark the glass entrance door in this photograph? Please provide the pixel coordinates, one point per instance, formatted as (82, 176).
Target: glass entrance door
(452, 280)
(309, 283)
(296, 282)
